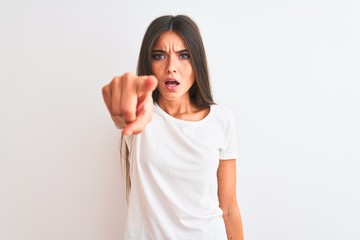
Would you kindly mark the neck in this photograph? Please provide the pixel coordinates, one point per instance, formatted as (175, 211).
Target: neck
(177, 107)
(185, 110)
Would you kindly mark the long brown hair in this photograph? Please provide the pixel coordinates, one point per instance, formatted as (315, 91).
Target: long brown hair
(200, 92)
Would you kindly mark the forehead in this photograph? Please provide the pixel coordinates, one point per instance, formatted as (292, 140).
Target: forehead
(170, 40)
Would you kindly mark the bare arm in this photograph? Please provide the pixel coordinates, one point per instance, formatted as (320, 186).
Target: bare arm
(227, 198)
(128, 99)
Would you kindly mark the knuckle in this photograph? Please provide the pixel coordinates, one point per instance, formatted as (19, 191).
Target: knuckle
(125, 112)
(116, 112)
(116, 80)
(106, 90)
(126, 75)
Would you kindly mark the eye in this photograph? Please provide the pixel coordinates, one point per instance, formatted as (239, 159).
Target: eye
(158, 56)
(184, 56)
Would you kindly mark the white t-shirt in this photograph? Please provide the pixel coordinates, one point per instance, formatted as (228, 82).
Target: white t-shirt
(173, 169)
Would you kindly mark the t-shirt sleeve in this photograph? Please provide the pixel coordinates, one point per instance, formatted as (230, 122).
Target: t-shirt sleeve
(229, 149)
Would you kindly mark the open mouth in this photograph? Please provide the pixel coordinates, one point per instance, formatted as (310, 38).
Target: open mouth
(171, 83)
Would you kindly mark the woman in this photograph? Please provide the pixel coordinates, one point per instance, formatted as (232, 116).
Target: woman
(178, 146)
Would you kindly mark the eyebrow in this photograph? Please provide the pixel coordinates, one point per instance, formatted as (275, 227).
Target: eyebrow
(162, 51)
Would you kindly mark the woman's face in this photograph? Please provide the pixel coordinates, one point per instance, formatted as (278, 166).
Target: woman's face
(172, 66)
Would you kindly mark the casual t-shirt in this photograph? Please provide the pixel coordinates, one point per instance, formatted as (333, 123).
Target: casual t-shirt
(173, 169)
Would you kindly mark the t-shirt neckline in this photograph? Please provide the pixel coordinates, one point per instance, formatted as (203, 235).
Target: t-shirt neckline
(168, 116)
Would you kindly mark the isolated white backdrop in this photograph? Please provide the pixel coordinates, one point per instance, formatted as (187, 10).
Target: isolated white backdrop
(288, 69)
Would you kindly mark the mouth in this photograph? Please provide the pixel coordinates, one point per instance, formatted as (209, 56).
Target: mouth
(171, 84)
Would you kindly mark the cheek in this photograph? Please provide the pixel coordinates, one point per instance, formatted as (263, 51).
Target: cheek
(156, 67)
(189, 70)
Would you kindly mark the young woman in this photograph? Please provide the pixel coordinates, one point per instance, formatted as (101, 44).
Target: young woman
(178, 146)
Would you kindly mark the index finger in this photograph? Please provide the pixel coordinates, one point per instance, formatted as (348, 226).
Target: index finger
(140, 87)
(146, 84)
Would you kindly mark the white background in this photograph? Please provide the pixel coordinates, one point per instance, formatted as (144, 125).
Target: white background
(288, 69)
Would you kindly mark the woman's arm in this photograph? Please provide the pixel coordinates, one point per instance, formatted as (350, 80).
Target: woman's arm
(227, 198)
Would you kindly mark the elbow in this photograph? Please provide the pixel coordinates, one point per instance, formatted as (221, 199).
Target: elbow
(230, 210)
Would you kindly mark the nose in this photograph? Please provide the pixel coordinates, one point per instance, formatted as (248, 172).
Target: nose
(171, 66)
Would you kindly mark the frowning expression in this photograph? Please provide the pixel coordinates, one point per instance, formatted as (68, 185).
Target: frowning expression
(172, 66)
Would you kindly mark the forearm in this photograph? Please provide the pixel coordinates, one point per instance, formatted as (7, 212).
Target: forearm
(233, 224)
